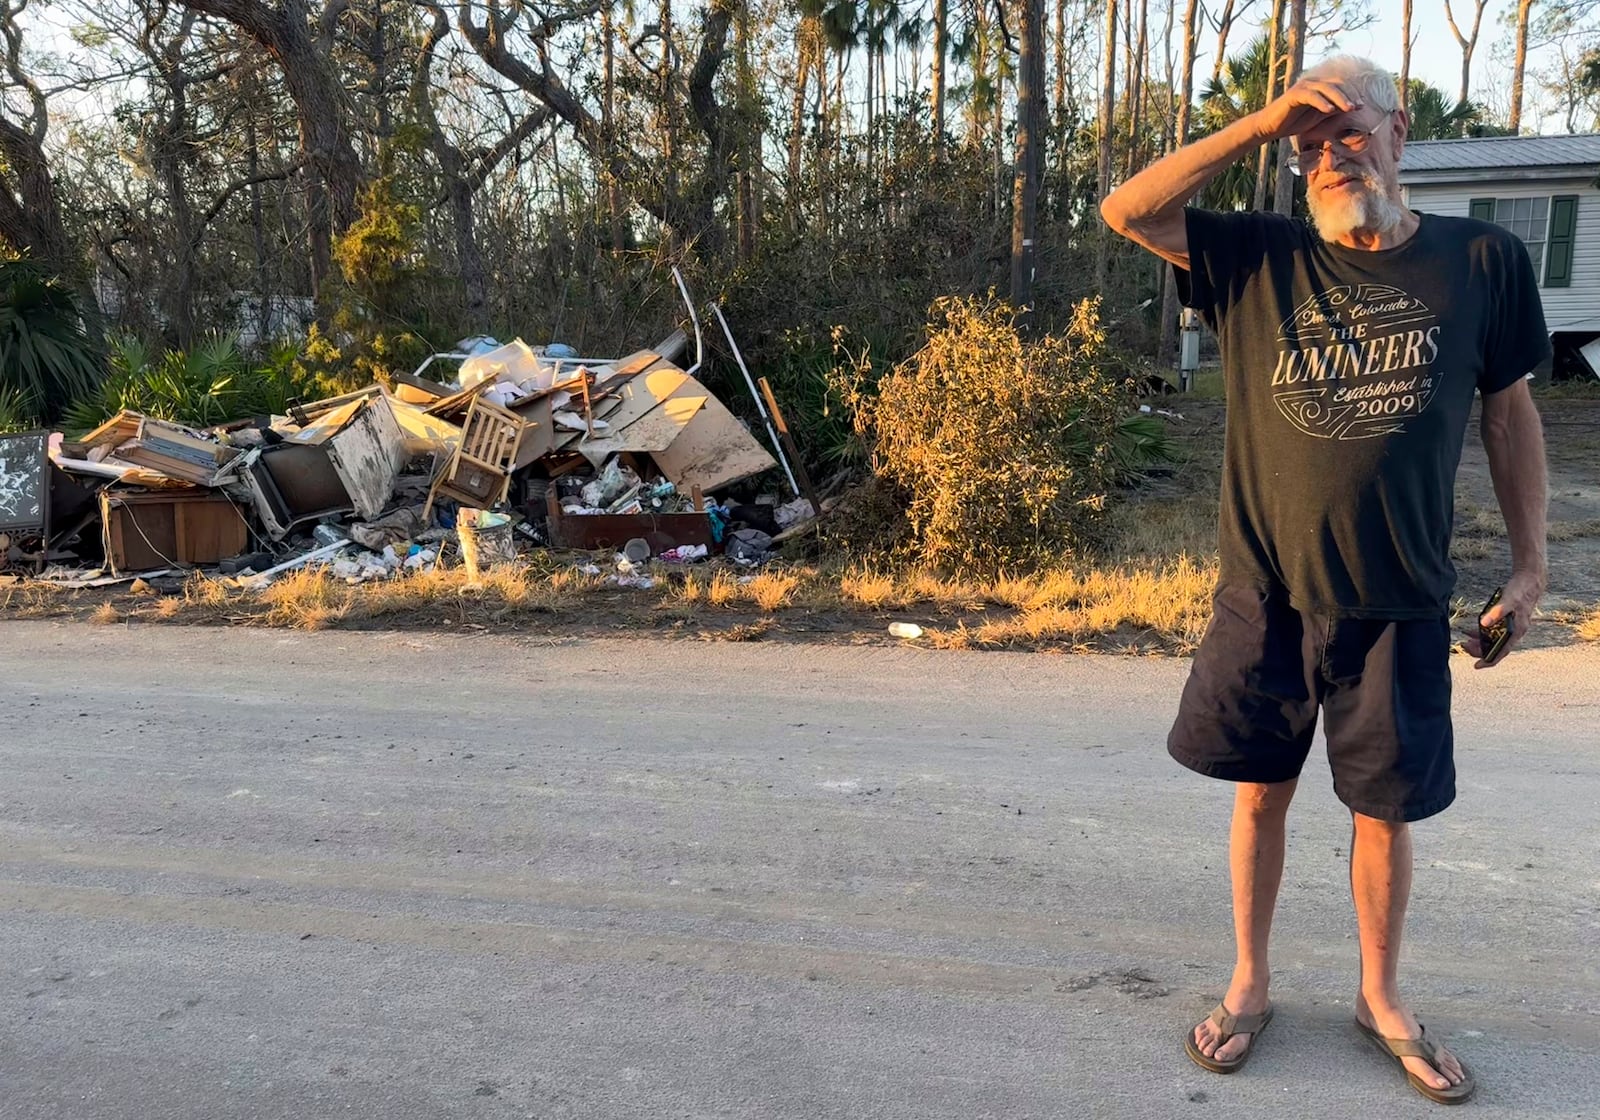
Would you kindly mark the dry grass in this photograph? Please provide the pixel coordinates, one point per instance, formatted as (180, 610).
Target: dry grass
(771, 590)
(1589, 628)
(1171, 602)
(946, 595)
(308, 599)
(689, 593)
(204, 592)
(1477, 521)
(1158, 529)
(1471, 548)
(871, 590)
(1574, 530)
(1128, 606)
(724, 589)
(752, 631)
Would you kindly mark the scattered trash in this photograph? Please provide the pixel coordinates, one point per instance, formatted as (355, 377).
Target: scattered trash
(904, 630)
(748, 546)
(684, 554)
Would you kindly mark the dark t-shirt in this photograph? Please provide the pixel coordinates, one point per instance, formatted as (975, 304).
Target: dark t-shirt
(1350, 376)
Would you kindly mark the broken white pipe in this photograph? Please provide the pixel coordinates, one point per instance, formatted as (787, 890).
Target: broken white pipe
(777, 444)
(261, 579)
(699, 349)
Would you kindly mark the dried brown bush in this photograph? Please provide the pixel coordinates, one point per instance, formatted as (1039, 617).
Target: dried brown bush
(1006, 450)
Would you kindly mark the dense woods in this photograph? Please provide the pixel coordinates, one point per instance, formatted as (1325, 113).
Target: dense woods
(398, 174)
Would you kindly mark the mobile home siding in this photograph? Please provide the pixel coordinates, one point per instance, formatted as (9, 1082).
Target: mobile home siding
(1575, 307)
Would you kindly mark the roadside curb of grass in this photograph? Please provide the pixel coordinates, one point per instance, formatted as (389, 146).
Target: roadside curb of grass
(1154, 609)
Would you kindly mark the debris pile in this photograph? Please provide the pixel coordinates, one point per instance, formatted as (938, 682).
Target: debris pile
(528, 447)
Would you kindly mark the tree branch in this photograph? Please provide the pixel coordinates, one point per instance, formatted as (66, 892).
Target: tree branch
(238, 185)
(484, 165)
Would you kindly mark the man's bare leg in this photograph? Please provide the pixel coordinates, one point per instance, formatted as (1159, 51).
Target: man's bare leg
(1255, 857)
(1380, 882)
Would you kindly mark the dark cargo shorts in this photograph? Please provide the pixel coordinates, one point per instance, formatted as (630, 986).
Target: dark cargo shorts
(1263, 670)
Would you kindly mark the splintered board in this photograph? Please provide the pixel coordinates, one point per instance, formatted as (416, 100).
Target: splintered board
(24, 480)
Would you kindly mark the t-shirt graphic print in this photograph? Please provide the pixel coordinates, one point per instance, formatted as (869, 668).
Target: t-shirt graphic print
(1349, 379)
(1356, 361)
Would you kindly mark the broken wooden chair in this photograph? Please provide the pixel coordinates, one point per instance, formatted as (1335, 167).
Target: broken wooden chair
(478, 474)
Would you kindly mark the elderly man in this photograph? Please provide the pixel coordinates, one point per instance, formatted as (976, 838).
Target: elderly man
(1352, 347)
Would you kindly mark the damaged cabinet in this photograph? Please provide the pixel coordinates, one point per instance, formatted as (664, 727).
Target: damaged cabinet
(164, 529)
(346, 463)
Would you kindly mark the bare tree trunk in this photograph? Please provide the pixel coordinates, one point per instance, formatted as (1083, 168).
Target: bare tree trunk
(941, 34)
(797, 116)
(608, 125)
(1520, 66)
(1136, 93)
(668, 104)
(1405, 56)
(1264, 155)
(1169, 290)
(168, 140)
(1030, 136)
(462, 177)
(997, 132)
(1130, 65)
(378, 52)
(1170, 109)
(1283, 191)
(749, 141)
(1059, 115)
(258, 228)
(1224, 26)
(1468, 44)
(1108, 119)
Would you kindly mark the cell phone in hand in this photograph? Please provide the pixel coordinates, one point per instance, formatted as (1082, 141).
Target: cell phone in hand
(1492, 639)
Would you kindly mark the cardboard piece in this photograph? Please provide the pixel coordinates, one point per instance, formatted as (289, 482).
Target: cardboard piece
(540, 436)
(713, 450)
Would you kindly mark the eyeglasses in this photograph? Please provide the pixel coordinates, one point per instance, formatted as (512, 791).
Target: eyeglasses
(1305, 160)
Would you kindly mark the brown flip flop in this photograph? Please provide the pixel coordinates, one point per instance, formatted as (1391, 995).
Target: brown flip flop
(1428, 1050)
(1228, 1024)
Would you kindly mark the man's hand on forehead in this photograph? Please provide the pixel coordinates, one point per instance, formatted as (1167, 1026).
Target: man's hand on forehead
(1309, 104)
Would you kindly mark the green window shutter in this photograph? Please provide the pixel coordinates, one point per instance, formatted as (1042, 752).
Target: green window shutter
(1483, 209)
(1559, 249)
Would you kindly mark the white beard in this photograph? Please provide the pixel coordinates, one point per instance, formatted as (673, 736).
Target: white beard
(1369, 207)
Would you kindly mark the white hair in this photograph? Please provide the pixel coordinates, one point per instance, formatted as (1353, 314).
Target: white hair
(1375, 84)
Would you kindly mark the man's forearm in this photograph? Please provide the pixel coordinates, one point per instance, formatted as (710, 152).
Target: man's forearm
(1161, 191)
(1515, 445)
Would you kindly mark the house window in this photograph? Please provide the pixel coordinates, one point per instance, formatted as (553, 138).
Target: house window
(1529, 219)
(1547, 226)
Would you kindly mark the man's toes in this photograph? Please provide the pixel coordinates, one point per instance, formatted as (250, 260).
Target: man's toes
(1235, 1046)
(1428, 1074)
(1450, 1066)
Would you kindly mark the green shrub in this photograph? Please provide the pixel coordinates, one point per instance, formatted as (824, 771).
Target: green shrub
(1006, 452)
(15, 413)
(46, 360)
(210, 384)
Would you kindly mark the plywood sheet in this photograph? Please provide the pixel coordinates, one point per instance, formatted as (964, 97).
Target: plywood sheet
(655, 431)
